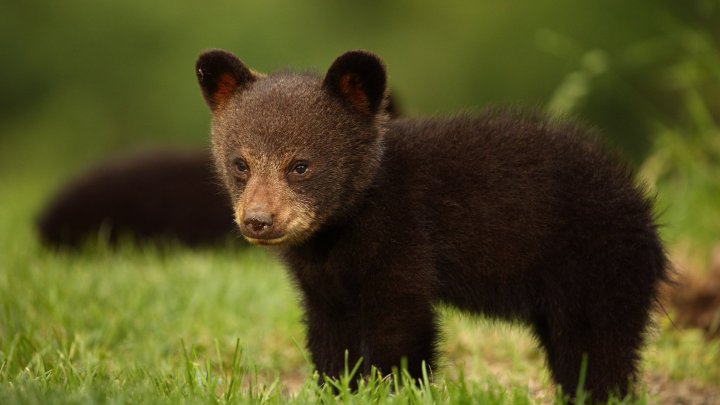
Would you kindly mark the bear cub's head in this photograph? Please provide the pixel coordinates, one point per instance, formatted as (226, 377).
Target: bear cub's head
(295, 151)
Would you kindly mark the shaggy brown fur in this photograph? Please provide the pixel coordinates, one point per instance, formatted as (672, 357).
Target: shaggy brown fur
(509, 215)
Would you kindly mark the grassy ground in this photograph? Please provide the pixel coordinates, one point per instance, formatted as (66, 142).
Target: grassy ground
(167, 325)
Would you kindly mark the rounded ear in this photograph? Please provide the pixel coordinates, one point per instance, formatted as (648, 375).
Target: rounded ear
(359, 78)
(220, 73)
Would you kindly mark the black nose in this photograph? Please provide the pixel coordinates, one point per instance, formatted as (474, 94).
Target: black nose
(258, 222)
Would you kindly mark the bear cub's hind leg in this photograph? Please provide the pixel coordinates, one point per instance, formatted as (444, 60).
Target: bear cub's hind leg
(611, 353)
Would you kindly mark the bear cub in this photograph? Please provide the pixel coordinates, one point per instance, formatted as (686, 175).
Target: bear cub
(514, 216)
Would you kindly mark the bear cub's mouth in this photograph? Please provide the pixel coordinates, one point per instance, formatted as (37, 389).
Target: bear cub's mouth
(267, 241)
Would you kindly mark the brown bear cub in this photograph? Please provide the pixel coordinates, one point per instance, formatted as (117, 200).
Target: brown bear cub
(513, 216)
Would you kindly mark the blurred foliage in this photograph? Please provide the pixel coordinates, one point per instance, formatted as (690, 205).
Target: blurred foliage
(684, 165)
(85, 77)
(655, 81)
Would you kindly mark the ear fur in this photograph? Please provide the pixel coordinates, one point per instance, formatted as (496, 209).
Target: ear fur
(220, 73)
(359, 78)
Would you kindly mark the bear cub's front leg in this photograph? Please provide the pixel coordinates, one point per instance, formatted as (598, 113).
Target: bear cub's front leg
(382, 329)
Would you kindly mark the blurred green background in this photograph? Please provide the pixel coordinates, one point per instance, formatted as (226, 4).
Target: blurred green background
(85, 79)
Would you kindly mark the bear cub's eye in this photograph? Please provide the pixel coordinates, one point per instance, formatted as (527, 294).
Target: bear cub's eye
(240, 167)
(299, 168)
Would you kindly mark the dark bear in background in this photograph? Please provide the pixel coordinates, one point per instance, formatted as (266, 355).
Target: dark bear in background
(161, 195)
(514, 216)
